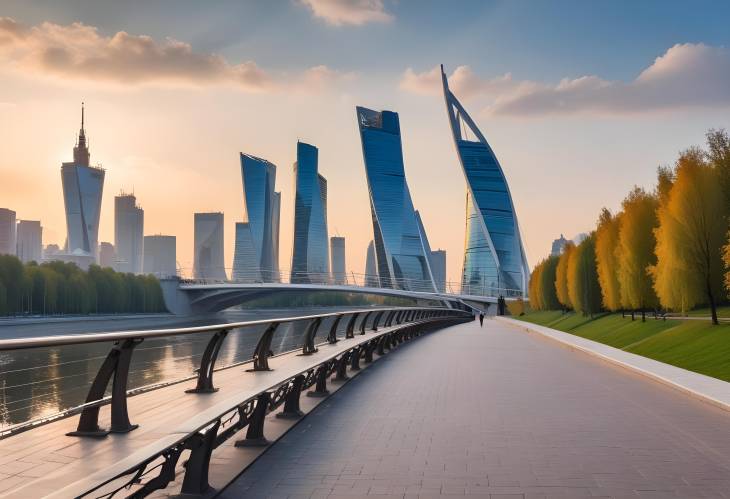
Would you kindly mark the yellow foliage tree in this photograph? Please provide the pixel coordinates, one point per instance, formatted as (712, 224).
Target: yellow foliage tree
(534, 287)
(727, 262)
(690, 236)
(606, 259)
(561, 276)
(583, 287)
(635, 251)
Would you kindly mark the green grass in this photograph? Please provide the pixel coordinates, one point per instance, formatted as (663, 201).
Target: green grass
(723, 311)
(694, 345)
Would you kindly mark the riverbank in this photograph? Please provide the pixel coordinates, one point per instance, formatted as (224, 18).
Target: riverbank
(693, 345)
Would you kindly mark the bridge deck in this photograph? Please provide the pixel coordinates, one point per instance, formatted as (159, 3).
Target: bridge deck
(497, 412)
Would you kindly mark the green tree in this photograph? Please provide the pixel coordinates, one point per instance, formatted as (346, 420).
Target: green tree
(547, 284)
(583, 286)
(726, 259)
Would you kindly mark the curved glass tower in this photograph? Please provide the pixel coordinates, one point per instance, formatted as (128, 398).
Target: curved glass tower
(310, 256)
(256, 251)
(401, 260)
(494, 258)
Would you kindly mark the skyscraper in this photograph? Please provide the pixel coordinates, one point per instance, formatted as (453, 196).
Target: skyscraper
(438, 268)
(82, 190)
(256, 256)
(29, 241)
(371, 268)
(128, 233)
(401, 260)
(427, 250)
(7, 232)
(160, 255)
(337, 251)
(208, 247)
(310, 255)
(494, 258)
(558, 246)
(107, 255)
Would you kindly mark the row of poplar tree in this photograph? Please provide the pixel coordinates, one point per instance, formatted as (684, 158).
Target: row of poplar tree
(63, 288)
(667, 249)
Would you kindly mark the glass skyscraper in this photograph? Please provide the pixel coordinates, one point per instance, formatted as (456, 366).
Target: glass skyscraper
(256, 254)
(310, 255)
(128, 233)
(82, 190)
(208, 247)
(401, 260)
(494, 257)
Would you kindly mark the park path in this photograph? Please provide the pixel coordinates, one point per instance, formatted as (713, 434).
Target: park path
(496, 412)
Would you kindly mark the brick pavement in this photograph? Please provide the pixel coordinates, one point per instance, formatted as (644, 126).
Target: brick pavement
(498, 413)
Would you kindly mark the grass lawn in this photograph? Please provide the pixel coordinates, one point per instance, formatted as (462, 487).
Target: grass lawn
(694, 345)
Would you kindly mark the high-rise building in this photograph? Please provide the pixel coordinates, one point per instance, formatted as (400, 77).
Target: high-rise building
(208, 247)
(51, 252)
(438, 268)
(83, 185)
(337, 252)
(160, 255)
(7, 232)
(558, 246)
(401, 260)
(427, 248)
(128, 233)
(256, 253)
(310, 255)
(29, 241)
(107, 255)
(494, 258)
(371, 268)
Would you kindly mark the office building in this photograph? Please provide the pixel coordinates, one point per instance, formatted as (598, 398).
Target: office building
(107, 255)
(7, 232)
(208, 247)
(399, 254)
(371, 268)
(310, 254)
(494, 257)
(338, 266)
(438, 268)
(160, 256)
(83, 186)
(29, 245)
(128, 234)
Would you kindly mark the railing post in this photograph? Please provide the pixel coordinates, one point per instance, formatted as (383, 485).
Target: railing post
(332, 336)
(364, 322)
(355, 361)
(116, 364)
(291, 403)
(255, 432)
(376, 320)
(369, 348)
(349, 332)
(381, 346)
(341, 373)
(195, 481)
(207, 364)
(320, 389)
(308, 348)
(263, 349)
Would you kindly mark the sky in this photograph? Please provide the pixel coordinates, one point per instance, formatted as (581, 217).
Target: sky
(579, 100)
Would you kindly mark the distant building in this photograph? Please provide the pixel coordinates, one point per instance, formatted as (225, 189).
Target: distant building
(256, 252)
(558, 246)
(29, 243)
(438, 268)
(337, 253)
(427, 249)
(371, 270)
(83, 186)
(580, 238)
(160, 255)
(128, 233)
(50, 252)
(7, 232)
(107, 255)
(310, 254)
(208, 247)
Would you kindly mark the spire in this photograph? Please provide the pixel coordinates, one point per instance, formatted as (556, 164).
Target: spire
(81, 151)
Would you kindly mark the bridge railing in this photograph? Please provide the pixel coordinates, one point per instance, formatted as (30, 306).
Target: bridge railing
(388, 327)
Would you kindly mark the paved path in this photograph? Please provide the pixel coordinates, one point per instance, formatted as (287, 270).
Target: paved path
(498, 413)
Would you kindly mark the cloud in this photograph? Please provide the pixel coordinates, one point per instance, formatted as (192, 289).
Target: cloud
(353, 12)
(686, 75)
(80, 52)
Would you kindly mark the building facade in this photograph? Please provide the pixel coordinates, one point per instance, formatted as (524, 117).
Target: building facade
(371, 268)
(83, 186)
(29, 245)
(7, 232)
(256, 251)
(128, 234)
(438, 268)
(401, 260)
(107, 255)
(160, 256)
(494, 257)
(310, 253)
(558, 246)
(208, 247)
(338, 264)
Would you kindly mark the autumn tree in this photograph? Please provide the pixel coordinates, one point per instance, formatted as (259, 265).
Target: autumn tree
(726, 258)
(561, 276)
(583, 287)
(547, 283)
(635, 251)
(534, 287)
(607, 232)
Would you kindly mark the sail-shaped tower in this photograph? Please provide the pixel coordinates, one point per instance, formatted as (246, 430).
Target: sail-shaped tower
(494, 257)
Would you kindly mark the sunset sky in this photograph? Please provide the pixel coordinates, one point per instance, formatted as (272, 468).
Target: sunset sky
(579, 100)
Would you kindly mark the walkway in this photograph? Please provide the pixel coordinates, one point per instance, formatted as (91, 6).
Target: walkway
(498, 413)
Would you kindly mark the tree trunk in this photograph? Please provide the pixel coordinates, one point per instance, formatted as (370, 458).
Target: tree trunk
(713, 305)
(643, 315)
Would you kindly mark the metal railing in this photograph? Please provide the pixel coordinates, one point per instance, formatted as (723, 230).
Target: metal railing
(402, 323)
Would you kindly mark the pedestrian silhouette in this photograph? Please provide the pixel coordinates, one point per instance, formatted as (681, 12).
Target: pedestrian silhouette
(481, 319)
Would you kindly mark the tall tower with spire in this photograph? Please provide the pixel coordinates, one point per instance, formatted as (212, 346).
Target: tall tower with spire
(83, 186)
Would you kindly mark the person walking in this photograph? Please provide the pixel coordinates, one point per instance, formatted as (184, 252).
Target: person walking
(481, 319)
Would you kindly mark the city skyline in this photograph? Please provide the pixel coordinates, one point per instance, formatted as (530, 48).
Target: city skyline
(145, 138)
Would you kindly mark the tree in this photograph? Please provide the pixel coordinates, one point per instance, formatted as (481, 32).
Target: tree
(534, 287)
(718, 154)
(583, 286)
(635, 251)
(726, 259)
(690, 236)
(561, 276)
(547, 284)
(606, 259)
